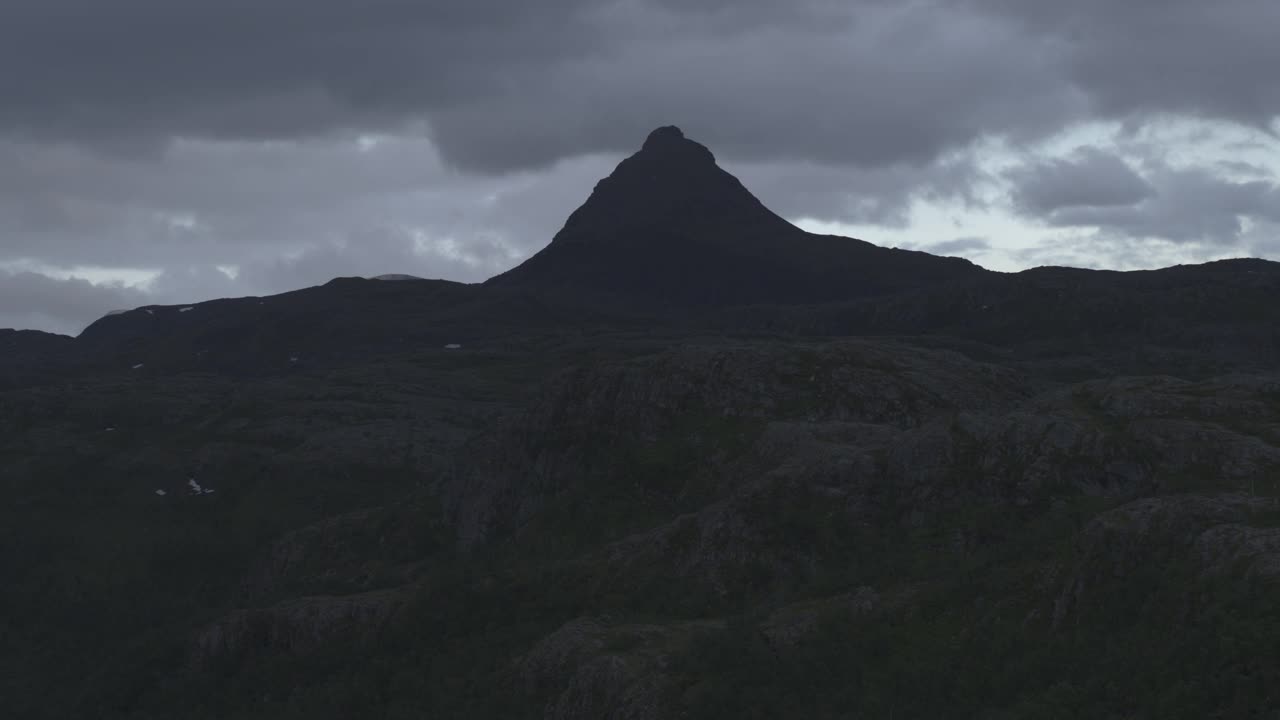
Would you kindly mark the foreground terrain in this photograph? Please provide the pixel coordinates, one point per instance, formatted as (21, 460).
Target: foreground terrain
(727, 528)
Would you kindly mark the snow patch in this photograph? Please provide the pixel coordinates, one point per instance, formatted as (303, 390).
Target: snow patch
(186, 309)
(196, 489)
(138, 366)
(453, 346)
(161, 493)
(149, 312)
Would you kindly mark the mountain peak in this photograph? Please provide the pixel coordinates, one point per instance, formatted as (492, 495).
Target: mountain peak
(671, 184)
(669, 143)
(671, 226)
(664, 134)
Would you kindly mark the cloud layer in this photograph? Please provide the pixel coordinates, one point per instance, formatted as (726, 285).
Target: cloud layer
(244, 147)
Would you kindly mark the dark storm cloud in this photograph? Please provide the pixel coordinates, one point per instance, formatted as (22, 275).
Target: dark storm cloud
(886, 86)
(279, 68)
(504, 84)
(1089, 178)
(1180, 56)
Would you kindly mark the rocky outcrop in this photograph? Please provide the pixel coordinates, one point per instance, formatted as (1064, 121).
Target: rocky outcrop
(1168, 533)
(592, 416)
(296, 627)
(791, 625)
(358, 551)
(591, 668)
(1251, 551)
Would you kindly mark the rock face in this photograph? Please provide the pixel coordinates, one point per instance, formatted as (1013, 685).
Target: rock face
(1161, 531)
(612, 670)
(294, 628)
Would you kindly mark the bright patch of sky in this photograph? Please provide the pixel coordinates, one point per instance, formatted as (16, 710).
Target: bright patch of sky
(180, 221)
(367, 143)
(1014, 242)
(124, 277)
(469, 252)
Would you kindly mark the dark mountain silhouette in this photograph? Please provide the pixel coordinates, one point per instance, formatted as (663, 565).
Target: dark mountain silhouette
(672, 242)
(669, 225)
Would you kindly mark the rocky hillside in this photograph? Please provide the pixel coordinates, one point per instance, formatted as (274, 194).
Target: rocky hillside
(703, 528)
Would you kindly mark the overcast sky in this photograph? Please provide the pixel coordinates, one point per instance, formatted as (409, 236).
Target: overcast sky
(167, 151)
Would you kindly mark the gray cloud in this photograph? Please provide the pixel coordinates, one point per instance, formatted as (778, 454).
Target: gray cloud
(956, 247)
(1117, 252)
(1191, 214)
(876, 196)
(217, 203)
(959, 246)
(241, 69)
(1262, 239)
(877, 85)
(1091, 178)
(33, 300)
(1186, 206)
(502, 85)
(1175, 56)
(579, 77)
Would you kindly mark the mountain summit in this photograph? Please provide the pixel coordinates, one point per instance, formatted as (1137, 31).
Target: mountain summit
(671, 226)
(671, 184)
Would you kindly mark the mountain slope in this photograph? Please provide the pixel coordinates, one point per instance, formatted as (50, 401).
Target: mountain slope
(715, 529)
(670, 227)
(30, 356)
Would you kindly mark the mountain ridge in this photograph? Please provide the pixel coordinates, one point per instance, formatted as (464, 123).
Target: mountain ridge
(671, 240)
(670, 228)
